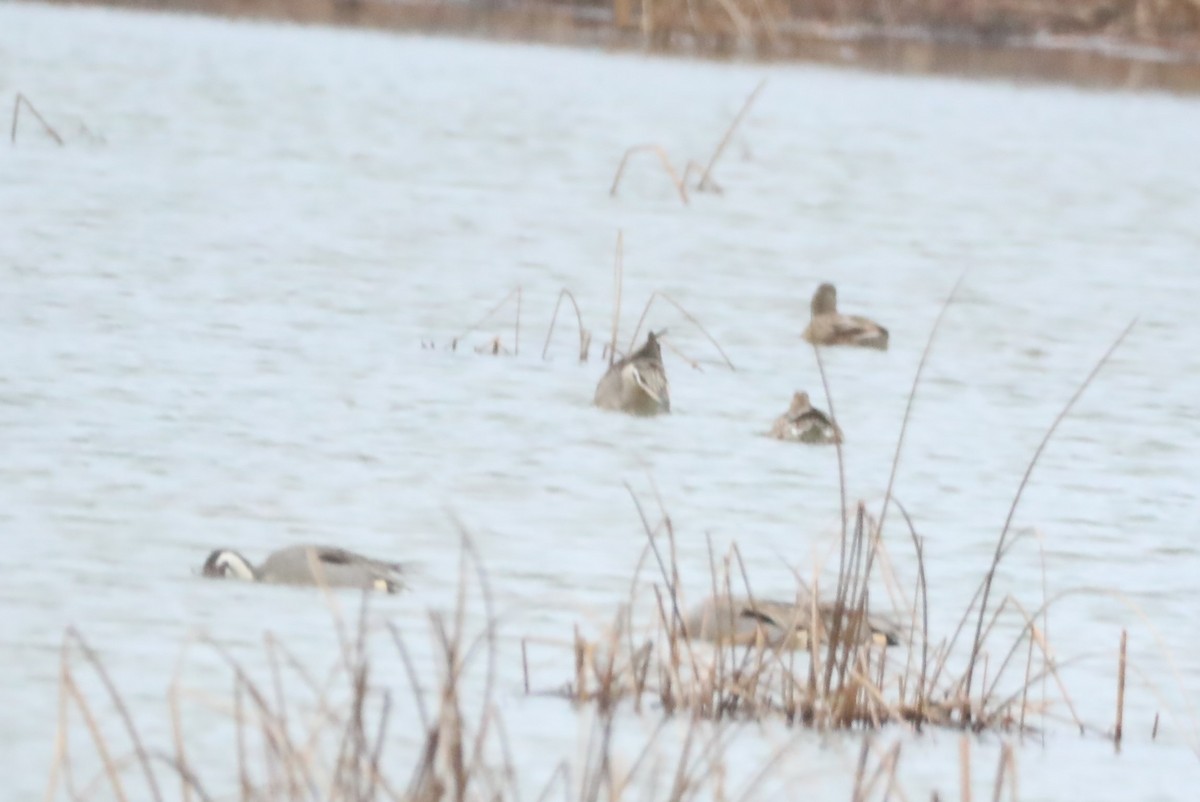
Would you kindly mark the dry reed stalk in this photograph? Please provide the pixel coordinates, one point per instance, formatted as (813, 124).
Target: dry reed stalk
(841, 462)
(1117, 731)
(858, 794)
(670, 578)
(240, 739)
(1049, 669)
(561, 774)
(110, 765)
(977, 643)
(289, 767)
(706, 177)
(525, 666)
(688, 315)
(585, 336)
(618, 280)
(495, 344)
(886, 768)
(173, 693)
(964, 771)
(580, 675)
(912, 395)
(60, 762)
(123, 712)
(1193, 737)
(49, 129)
(663, 159)
(696, 167)
(1006, 769)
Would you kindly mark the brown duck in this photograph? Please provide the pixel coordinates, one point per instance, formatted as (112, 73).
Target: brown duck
(636, 384)
(778, 624)
(804, 423)
(830, 327)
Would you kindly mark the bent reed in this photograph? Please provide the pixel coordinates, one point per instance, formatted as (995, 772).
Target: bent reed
(294, 734)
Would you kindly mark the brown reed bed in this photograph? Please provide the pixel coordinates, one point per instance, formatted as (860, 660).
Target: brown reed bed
(725, 27)
(294, 736)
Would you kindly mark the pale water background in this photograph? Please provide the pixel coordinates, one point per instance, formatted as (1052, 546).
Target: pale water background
(213, 300)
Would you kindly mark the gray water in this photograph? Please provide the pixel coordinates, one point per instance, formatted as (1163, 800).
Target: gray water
(214, 299)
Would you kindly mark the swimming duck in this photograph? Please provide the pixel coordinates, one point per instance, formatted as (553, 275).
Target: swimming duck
(781, 625)
(636, 384)
(829, 327)
(309, 565)
(803, 423)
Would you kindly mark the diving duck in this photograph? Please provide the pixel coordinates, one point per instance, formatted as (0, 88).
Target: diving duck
(636, 384)
(309, 565)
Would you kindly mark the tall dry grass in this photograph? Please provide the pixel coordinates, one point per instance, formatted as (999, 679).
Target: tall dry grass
(297, 737)
(844, 681)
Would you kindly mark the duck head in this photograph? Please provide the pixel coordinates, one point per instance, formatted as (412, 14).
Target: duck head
(800, 403)
(227, 563)
(824, 300)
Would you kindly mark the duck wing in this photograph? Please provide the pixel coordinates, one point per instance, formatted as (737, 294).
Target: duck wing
(336, 556)
(653, 381)
(344, 567)
(852, 327)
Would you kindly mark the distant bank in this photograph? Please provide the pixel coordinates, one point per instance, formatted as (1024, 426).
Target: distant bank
(1152, 44)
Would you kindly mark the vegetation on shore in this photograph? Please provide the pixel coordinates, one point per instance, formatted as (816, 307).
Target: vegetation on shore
(1154, 43)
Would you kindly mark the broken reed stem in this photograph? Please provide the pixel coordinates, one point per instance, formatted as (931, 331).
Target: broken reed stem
(1120, 692)
(585, 339)
(706, 178)
(986, 587)
(688, 315)
(515, 291)
(663, 158)
(49, 129)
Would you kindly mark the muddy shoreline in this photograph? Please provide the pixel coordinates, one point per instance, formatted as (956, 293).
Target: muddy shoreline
(1018, 48)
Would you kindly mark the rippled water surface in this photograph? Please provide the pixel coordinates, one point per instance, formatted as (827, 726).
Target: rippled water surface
(214, 299)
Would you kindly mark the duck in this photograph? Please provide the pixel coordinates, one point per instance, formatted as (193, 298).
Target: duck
(727, 620)
(637, 384)
(804, 423)
(830, 327)
(309, 565)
